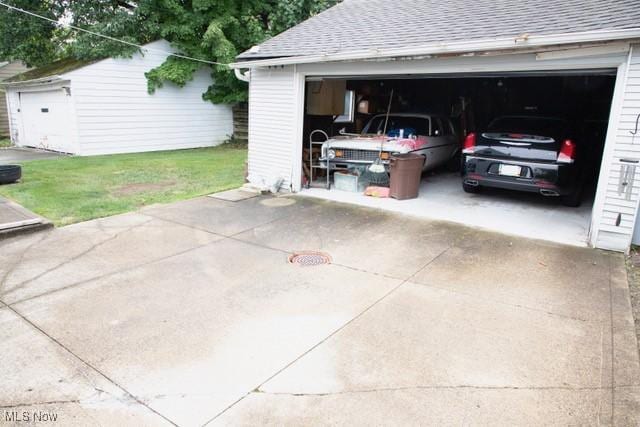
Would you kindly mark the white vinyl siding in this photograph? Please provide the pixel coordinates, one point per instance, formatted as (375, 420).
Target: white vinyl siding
(4, 117)
(12, 112)
(611, 234)
(7, 71)
(116, 114)
(272, 125)
(112, 111)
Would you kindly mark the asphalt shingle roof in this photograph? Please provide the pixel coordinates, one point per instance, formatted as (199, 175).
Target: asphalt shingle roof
(55, 68)
(355, 25)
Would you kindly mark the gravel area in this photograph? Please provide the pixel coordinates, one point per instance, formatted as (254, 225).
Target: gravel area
(633, 273)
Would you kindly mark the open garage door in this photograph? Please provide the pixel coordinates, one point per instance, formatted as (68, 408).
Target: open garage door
(457, 105)
(46, 120)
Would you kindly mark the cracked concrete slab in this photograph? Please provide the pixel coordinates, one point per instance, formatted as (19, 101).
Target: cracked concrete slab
(235, 195)
(192, 334)
(75, 254)
(16, 219)
(626, 406)
(559, 279)
(38, 375)
(489, 329)
(361, 238)
(228, 218)
(452, 407)
(427, 337)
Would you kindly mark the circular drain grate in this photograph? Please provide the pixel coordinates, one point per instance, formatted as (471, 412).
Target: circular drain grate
(310, 258)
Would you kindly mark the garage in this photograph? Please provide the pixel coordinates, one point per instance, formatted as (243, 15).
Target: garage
(584, 71)
(104, 107)
(470, 102)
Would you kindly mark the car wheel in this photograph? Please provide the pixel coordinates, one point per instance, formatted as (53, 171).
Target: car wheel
(470, 188)
(572, 200)
(10, 173)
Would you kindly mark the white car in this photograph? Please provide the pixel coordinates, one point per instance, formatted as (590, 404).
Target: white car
(432, 136)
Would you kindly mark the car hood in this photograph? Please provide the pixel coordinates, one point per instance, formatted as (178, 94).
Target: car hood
(394, 145)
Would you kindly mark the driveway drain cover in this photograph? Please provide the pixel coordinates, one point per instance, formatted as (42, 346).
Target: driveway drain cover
(310, 258)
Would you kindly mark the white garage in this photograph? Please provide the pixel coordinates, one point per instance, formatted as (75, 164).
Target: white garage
(104, 107)
(435, 45)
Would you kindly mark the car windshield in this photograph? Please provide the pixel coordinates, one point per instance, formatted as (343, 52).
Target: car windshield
(398, 126)
(540, 126)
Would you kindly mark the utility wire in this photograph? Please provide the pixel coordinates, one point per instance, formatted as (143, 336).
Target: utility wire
(147, 49)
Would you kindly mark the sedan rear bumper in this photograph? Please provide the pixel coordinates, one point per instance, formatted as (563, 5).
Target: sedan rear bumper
(547, 178)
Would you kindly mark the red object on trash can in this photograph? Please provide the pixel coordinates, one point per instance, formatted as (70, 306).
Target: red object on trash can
(406, 172)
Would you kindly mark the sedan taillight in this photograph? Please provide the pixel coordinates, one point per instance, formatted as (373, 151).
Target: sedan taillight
(567, 152)
(469, 143)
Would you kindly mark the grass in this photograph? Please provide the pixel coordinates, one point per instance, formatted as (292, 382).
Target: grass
(4, 143)
(73, 189)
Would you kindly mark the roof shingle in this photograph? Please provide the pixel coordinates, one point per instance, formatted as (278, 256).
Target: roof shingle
(355, 25)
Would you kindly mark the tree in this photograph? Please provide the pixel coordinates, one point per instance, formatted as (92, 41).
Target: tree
(32, 40)
(212, 30)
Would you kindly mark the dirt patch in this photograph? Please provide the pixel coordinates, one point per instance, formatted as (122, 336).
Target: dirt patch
(633, 275)
(131, 189)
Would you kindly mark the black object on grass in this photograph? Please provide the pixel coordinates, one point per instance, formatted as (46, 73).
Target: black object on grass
(10, 173)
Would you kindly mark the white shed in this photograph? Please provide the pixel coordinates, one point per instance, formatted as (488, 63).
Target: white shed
(425, 47)
(104, 107)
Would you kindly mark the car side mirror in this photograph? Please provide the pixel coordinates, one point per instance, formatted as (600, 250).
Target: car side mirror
(343, 131)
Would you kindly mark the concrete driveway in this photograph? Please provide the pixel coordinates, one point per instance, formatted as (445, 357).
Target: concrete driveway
(189, 314)
(22, 154)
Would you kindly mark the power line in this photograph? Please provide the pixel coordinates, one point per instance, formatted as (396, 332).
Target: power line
(147, 49)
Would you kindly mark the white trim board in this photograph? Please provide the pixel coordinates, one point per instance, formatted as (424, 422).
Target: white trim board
(608, 153)
(466, 46)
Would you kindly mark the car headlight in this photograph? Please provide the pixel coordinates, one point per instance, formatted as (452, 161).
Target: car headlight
(331, 154)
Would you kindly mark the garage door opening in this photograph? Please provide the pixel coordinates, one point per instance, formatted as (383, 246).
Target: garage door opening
(456, 106)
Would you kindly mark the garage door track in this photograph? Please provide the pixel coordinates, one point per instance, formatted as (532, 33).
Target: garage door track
(190, 314)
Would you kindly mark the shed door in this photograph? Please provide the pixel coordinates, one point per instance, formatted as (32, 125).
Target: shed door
(46, 120)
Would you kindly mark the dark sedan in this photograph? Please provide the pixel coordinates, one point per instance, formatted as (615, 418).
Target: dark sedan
(524, 153)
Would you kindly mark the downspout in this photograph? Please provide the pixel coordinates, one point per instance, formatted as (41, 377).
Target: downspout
(245, 77)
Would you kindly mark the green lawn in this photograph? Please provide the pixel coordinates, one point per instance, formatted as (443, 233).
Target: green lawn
(74, 189)
(5, 143)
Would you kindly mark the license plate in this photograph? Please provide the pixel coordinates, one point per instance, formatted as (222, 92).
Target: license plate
(509, 170)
